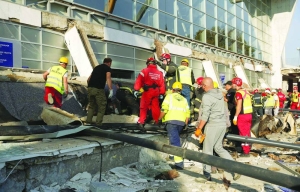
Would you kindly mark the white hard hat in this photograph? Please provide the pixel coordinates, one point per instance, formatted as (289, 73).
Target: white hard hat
(267, 91)
(274, 91)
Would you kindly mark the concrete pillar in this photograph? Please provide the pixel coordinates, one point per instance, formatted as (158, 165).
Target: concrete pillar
(281, 16)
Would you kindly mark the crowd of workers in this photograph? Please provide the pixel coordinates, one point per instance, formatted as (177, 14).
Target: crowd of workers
(168, 91)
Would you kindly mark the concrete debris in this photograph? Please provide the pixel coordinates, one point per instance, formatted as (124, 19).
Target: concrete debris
(56, 116)
(273, 168)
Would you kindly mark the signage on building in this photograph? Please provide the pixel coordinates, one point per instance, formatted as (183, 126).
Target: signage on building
(6, 54)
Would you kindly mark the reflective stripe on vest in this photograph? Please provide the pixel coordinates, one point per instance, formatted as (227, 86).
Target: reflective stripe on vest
(247, 104)
(257, 100)
(294, 97)
(126, 88)
(55, 78)
(178, 107)
(185, 75)
(270, 102)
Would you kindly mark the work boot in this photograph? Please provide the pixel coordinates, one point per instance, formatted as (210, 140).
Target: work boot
(207, 175)
(142, 128)
(236, 176)
(50, 99)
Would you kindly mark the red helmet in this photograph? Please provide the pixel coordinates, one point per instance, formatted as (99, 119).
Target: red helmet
(199, 80)
(238, 81)
(279, 89)
(165, 56)
(256, 91)
(150, 60)
(268, 89)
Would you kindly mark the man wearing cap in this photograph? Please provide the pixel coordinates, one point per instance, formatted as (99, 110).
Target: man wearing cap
(281, 97)
(269, 103)
(186, 77)
(56, 78)
(276, 100)
(295, 98)
(257, 101)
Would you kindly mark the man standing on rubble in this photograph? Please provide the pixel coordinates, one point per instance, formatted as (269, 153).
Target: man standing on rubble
(176, 113)
(231, 105)
(152, 82)
(196, 101)
(257, 101)
(243, 114)
(281, 97)
(276, 100)
(269, 103)
(213, 118)
(170, 68)
(56, 83)
(96, 94)
(186, 77)
(295, 98)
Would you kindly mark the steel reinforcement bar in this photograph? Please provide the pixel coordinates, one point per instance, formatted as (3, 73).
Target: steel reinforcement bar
(281, 179)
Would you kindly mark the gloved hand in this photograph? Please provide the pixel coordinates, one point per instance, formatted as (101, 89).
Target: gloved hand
(235, 120)
(198, 132)
(161, 97)
(111, 92)
(136, 94)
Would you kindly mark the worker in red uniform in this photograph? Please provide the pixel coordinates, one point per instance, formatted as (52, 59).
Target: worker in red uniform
(263, 94)
(295, 98)
(152, 81)
(243, 114)
(281, 97)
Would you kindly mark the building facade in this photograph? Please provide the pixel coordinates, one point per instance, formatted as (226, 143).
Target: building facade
(229, 31)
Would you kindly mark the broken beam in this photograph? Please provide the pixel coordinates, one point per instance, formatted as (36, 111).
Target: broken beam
(281, 179)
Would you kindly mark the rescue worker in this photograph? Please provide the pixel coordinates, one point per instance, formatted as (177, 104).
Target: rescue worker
(264, 93)
(185, 76)
(295, 98)
(176, 113)
(231, 106)
(269, 103)
(281, 97)
(257, 102)
(101, 75)
(243, 114)
(196, 101)
(126, 97)
(152, 82)
(56, 78)
(170, 71)
(213, 118)
(276, 100)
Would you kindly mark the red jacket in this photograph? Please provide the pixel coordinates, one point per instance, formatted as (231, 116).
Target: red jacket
(281, 97)
(150, 76)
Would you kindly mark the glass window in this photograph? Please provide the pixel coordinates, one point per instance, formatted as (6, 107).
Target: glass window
(196, 64)
(231, 45)
(59, 9)
(31, 51)
(167, 6)
(210, 9)
(199, 33)
(112, 24)
(210, 37)
(36, 4)
(199, 4)
(240, 48)
(222, 4)
(98, 47)
(222, 41)
(247, 28)
(221, 29)
(247, 39)
(221, 14)
(253, 52)
(184, 28)
(231, 19)
(100, 57)
(97, 19)
(253, 32)
(78, 14)
(231, 7)
(53, 39)
(139, 65)
(231, 32)
(96, 4)
(53, 54)
(9, 31)
(122, 63)
(146, 15)
(239, 12)
(253, 42)
(115, 49)
(239, 24)
(152, 3)
(124, 9)
(29, 34)
(210, 23)
(198, 18)
(185, 1)
(247, 50)
(183, 11)
(143, 54)
(252, 10)
(31, 64)
(239, 36)
(247, 17)
(166, 22)
(198, 73)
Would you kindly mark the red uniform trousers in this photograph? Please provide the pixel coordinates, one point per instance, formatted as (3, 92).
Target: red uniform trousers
(57, 96)
(281, 104)
(244, 122)
(294, 105)
(149, 99)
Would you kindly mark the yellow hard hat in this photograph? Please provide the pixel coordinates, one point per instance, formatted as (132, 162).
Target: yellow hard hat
(185, 60)
(63, 60)
(177, 85)
(216, 85)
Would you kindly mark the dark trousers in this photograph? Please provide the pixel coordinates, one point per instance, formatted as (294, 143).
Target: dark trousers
(128, 100)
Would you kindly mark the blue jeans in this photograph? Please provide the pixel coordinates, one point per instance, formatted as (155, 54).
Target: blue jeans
(173, 134)
(186, 91)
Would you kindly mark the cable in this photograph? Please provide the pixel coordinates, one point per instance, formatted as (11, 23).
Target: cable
(11, 172)
(101, 153)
